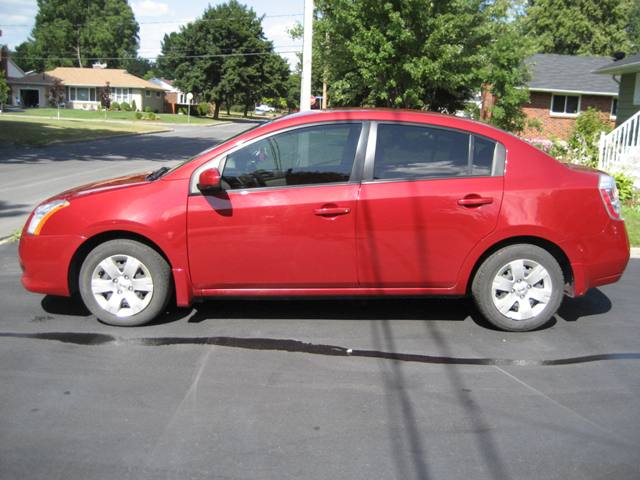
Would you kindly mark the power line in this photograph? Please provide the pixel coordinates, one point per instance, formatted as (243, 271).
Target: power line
(172, 52)
(178, 21)
(211, 55)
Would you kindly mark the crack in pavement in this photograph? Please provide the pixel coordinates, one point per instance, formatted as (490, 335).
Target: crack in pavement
(296, 346)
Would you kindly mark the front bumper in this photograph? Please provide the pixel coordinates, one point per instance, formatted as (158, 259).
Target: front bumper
(45, 262)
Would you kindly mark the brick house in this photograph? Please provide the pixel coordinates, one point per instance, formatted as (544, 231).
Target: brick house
(174, 98)
(562, 86)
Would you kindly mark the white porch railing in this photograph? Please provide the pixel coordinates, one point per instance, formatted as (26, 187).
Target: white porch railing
(620, 149)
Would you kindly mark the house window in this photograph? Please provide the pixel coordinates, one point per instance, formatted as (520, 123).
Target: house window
(82, 94)
(147, 93)
(565, 104)
(92, 94)
(614, 107)
(158, 94)
(120, 94)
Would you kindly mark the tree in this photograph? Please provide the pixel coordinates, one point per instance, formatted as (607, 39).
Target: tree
(4, 90)
(583, 27)
(504, 72)
(417, 54)
(139, 66)
(221, 57)
(56, 93)
(76, 32)
(104, 94)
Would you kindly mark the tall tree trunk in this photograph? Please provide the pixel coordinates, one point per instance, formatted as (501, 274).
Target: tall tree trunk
(246, 111)
(78, 50)
(227, 104)
(216, 110)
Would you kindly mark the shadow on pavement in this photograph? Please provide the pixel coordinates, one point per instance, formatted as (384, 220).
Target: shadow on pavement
(8, 209)
(594, 303)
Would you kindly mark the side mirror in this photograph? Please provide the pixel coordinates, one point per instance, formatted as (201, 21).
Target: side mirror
(210, 181)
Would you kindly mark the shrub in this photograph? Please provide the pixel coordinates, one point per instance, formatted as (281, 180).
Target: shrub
(148, 109)
(583, 144)
(114, 106)
(125, 107)
(203, 109)
(139, 115)
(182, 111)
(134, 107)
(151, 116)
(626, 189)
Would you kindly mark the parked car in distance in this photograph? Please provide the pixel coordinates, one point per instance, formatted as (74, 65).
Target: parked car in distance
(262, 109)
(337, 203)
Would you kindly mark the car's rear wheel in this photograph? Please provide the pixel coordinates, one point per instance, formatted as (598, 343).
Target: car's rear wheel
(519, 287)
(125, 283)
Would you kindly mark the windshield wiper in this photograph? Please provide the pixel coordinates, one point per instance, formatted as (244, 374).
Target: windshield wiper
(158, 173)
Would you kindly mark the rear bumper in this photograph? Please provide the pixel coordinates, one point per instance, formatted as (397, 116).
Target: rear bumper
(45, 261)
(603, 258)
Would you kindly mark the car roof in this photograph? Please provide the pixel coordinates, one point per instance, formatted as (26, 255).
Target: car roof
(389, 115)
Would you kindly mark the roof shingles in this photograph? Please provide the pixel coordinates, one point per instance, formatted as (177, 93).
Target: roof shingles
(99, 77)
(568, 73)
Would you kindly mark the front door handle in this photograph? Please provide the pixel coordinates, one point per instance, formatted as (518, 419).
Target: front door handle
(474, 201)
(331, 211)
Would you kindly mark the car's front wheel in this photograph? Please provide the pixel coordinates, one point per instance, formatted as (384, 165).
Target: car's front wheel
(519, 287)
(125, 283)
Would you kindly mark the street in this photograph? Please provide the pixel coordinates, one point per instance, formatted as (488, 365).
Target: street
(402, 389)
(30, 175)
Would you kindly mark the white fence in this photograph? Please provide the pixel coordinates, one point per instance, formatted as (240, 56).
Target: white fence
(620, 149)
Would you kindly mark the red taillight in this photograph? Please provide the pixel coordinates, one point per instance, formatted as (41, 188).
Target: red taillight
(609, 193)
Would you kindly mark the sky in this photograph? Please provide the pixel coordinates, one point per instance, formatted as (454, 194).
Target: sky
(157, 17)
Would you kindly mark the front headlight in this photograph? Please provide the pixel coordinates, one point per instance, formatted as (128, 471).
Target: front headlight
(43, 213)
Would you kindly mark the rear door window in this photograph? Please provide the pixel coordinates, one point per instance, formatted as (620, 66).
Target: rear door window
(413, 152)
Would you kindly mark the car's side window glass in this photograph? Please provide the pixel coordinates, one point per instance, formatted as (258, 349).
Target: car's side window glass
(407, 151)
(305, 156)
(483, 154)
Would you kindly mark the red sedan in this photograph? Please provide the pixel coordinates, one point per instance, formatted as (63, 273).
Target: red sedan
(337, 203)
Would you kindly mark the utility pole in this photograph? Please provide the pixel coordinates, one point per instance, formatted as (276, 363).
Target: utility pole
(307, 41)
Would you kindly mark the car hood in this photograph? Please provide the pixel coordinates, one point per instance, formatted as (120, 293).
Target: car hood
(112, 183)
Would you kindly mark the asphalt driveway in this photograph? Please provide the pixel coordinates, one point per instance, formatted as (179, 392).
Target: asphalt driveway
(384, 389)
(29, 175)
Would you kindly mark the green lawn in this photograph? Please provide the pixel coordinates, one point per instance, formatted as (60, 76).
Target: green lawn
(41, 131)
(95, 115)
(632, 222)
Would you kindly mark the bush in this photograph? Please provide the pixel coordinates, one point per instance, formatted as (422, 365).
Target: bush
(151, 116)
(148, 109)
(182, 111)
(125, 107)
(134, 107)
(115, 106)
(584, 141)
(139, 115)
(625, 185)
(203, 109)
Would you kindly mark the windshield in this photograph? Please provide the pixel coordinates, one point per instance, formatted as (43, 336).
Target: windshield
(262, 124)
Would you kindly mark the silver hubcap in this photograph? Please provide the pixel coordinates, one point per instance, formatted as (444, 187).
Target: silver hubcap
(122, 285)
(521, 289)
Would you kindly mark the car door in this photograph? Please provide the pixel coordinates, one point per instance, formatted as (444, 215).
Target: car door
(428, 196)
(286, 219)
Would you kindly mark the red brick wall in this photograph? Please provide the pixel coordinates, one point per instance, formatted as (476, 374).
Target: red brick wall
(170, 100)
(560, 128)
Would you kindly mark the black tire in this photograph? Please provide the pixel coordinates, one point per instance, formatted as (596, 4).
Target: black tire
(499, 265)
(154, 266)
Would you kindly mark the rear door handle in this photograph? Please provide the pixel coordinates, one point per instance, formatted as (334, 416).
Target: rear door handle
(474, 201)
(331, 211)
